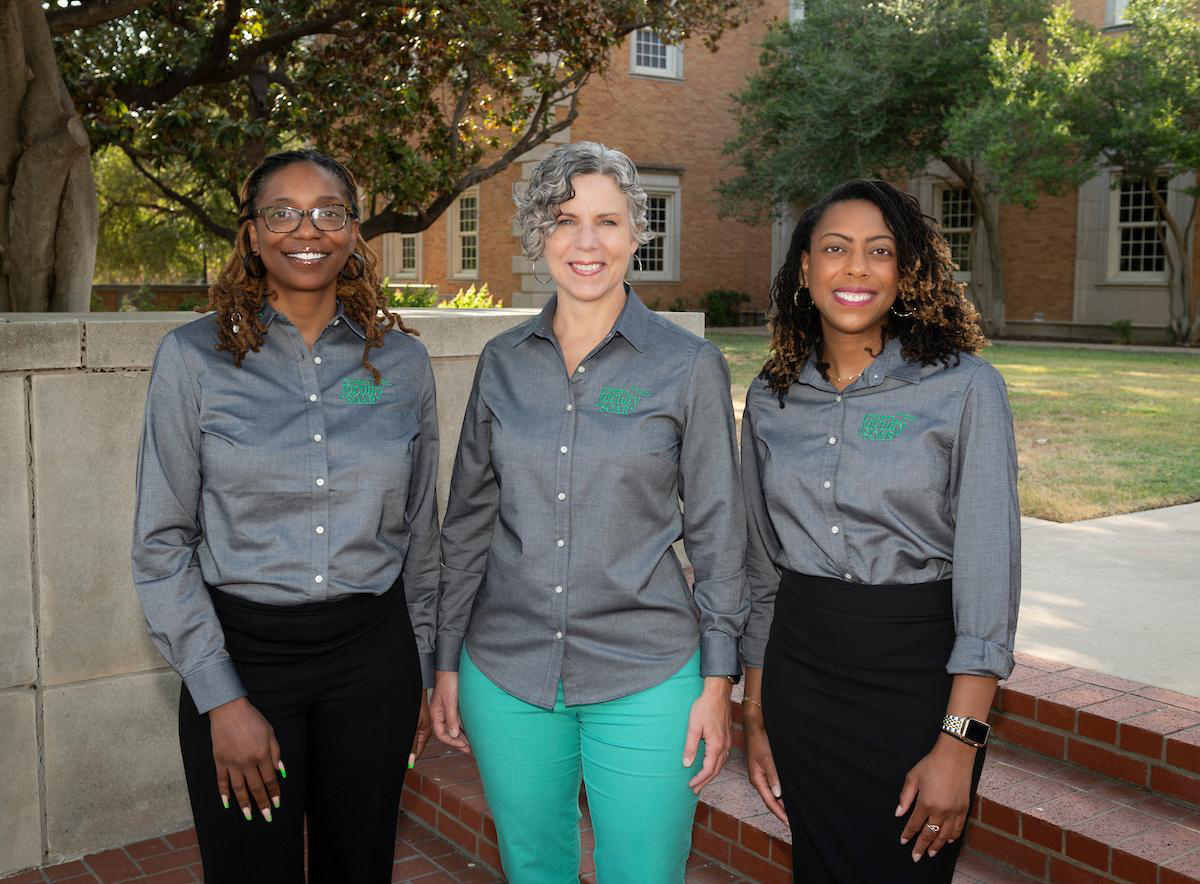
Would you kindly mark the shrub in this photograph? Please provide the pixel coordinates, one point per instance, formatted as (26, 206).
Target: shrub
(411, 295)
(472, 298)
(1123, 329)
(721, 306)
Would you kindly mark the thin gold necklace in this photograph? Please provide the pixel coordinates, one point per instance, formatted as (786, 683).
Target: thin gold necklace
(847, 379)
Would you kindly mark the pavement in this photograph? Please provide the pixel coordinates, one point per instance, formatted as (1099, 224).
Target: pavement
(1120, 595)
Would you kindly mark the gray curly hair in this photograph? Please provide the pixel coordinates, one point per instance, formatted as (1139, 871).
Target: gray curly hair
(550, 186)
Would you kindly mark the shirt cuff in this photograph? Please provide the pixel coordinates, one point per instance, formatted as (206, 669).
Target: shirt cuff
(214, 685)
(977, 656)
(753, 649)
(449, 650)
(427, 667)
(718, 654)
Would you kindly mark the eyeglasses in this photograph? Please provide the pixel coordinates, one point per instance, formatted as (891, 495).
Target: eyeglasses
(287, 219)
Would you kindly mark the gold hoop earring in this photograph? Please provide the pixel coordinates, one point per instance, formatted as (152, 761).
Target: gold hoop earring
(898, 313)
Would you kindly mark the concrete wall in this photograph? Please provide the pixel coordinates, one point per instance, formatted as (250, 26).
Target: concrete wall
(88, 752)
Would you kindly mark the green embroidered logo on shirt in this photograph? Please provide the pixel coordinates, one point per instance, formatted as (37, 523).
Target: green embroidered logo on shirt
(615, 400)
(362, 391)
(884, 426)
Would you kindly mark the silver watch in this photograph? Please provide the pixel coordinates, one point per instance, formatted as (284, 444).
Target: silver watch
(971, 731)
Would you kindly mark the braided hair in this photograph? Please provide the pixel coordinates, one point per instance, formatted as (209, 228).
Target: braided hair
(240, 290)
(943, 322)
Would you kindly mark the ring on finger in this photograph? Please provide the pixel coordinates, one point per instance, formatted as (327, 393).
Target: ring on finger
(933, 827)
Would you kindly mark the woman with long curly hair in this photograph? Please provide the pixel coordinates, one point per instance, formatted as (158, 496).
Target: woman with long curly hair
(286, 543)
(880, 473)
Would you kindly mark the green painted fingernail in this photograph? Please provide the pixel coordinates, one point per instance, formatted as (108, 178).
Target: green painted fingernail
(225, 801)
(246, 813)
(282, 770)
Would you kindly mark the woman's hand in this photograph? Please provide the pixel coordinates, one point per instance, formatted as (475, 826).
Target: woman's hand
(443, 709)
(760, 763)
(709, 721)
(424, 729)
(941, 785)
(247, 755)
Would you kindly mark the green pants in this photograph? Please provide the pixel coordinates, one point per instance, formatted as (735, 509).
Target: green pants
(629, 752)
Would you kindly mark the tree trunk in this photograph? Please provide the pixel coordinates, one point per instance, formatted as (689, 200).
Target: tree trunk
(48, 212)
(992, 310)
(1179, 285)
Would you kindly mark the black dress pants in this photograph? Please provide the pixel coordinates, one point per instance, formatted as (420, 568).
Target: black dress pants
(340, 684)
(854, 692)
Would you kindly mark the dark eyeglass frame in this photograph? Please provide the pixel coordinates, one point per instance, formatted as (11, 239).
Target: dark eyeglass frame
(351, 215)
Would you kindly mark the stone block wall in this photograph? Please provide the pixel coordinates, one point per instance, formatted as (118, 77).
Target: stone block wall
(88, 751)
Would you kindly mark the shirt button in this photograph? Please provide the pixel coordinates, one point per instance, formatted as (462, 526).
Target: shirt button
(320, 529)
(839, 398)
(570, 407)
(317, 437)
(835, 529)
(558, 635)
(833, 440)
(561, 542)
(581, 369)
(826, 484)
(337, 322)
(848, 576)
(563, 449)
(558, 589)
(320, 482)
(562, 496)
(317, 360)
(319, 579)
(312, 397)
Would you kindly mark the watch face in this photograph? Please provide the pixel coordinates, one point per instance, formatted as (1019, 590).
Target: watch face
(976, 731)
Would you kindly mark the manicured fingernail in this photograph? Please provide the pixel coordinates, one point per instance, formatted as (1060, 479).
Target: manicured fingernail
(282, 770)
(412, 759)
(932, 854)
(687, 762)
(454, 732)
(903, 840)
(225, 801)
(266, 812)
(776, 791)
(900, 812)
(916, 857)
(275, 801)
(247, 814)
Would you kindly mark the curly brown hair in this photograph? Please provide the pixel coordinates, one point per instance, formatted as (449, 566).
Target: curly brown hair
(237, 296)
(942, 323)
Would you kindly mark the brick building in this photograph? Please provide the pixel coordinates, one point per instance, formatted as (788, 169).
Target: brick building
(1072, 265)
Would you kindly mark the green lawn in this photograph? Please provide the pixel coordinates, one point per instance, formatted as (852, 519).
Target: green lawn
(1098, 431)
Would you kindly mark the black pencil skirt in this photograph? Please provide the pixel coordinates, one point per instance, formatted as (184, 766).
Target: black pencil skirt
(854, 692)
(340, 684)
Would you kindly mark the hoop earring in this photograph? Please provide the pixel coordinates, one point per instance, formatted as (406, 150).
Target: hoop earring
(637, 260)
(253, 265)
(234, 320)
(534, 273)
(898, 313)
(808, 297)
(360, 267)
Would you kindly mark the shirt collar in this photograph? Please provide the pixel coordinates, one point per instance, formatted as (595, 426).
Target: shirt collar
(632, 323)
(889, 363)
(267, 314)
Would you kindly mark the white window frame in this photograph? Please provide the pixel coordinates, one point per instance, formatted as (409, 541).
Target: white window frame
(674, 61)
(457, 237)
(391, 254)
(1115, 274)
(938, 191)
(796, 10)
(666, 186)
(1114, 13)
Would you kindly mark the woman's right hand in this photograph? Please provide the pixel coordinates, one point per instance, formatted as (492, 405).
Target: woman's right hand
(443, 708)
(247, 755)
(760, 763)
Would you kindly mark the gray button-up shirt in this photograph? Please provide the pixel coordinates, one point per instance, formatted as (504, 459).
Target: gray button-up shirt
(292, 479)
(556, 548)
(908, 476)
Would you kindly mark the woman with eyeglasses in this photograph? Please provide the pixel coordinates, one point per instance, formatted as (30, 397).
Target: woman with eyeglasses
(285, 543)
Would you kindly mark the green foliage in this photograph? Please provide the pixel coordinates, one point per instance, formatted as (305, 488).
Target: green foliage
(721, 306)
(1123, 329)
(470, 297)
(412, 295)
(679, 305)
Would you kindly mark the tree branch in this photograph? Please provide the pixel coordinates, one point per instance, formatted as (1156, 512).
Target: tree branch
(187, 202)
(89, 14)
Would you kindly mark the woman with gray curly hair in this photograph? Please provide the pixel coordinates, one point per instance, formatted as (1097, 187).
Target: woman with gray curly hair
(568, 639)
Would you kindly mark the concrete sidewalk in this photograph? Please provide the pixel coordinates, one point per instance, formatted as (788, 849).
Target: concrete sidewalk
(1120, 595)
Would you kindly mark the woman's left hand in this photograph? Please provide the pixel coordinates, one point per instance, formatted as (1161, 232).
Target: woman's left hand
(424, 729)
(941, 785)
(709, 720)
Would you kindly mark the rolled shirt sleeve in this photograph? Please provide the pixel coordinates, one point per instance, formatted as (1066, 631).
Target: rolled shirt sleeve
(421, 570)
(762, 574)
(179, 612)
(987, 534)
(467, 530)
(713, 513)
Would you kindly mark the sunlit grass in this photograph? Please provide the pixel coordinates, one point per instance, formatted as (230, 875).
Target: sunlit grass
(1098, 431)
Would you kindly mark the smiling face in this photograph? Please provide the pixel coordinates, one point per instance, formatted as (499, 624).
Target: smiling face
(852, 270)
(307, 259)
(589, 248)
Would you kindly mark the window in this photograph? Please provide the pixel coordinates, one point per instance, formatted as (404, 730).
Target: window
(1114, 13)
(654, 58)
(400, 256)
(1137, 251)
(464, 236)
(956, 214)
(658, 259)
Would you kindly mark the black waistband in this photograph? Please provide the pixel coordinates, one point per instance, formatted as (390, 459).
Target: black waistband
(224, 601)
(879, 599)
